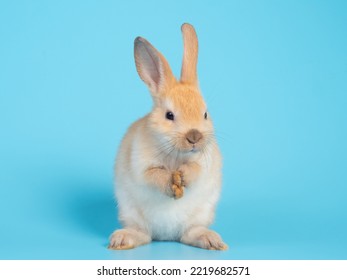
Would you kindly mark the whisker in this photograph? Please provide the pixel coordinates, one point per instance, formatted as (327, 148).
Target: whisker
(165, 148)
(224, 136)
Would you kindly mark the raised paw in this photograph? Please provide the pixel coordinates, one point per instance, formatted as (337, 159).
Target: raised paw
(177, 187)
(189, 173)
(177, 178)
(177, 191)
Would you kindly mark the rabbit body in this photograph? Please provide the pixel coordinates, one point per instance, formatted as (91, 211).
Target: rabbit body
(168, 168)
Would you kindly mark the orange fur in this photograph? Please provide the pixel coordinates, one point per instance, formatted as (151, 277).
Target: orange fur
(189, 100)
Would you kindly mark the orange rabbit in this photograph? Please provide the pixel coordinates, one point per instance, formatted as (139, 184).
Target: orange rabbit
(168, 168)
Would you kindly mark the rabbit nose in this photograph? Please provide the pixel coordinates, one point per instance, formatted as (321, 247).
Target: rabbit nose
(193, 136)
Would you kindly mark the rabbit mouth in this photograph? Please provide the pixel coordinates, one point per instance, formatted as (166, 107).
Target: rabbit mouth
(194, 148)
(180, 145)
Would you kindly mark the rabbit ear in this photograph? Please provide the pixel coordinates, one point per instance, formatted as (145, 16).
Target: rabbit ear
(190, 54)
(152, 67)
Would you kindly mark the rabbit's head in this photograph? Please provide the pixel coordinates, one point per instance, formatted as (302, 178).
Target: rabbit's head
(179, 119)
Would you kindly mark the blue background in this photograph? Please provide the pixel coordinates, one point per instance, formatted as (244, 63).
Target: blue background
(274, 75)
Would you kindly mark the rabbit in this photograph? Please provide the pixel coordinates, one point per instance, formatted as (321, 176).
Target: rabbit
(168, 166)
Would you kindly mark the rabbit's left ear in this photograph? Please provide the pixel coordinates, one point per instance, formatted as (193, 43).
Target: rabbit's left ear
(190, 55)
(152, 67)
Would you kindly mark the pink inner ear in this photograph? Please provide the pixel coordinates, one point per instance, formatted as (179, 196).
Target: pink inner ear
(148, 65)
(151, 66)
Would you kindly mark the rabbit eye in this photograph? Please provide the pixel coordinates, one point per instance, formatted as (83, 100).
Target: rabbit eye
(205, 115)
(170, 116)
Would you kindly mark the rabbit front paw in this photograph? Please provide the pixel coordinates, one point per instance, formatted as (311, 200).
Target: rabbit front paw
(177, 186)
(189, 172)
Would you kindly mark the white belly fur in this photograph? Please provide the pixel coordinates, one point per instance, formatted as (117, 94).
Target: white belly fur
(163, 217)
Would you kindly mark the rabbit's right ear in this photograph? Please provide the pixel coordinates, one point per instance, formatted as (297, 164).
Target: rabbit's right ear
(190, 55)
(152, 67)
